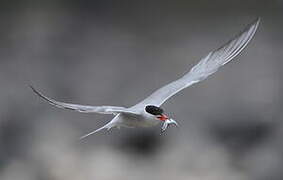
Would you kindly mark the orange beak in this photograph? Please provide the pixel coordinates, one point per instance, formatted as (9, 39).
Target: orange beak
(162, 117)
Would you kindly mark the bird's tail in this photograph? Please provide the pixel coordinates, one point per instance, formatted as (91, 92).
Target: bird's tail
(107, 126)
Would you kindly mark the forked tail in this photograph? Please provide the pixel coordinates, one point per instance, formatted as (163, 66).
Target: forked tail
(107, 126)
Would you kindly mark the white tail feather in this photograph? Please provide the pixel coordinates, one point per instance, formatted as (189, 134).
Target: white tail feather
(107, 126)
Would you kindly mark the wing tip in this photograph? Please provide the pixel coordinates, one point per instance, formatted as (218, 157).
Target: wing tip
(258, 19)
(256, 22)
(34, 90)
(41, 95)
(253, 26)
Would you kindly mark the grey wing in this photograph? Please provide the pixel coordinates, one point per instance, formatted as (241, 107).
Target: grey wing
(84, 108)
(207, 66)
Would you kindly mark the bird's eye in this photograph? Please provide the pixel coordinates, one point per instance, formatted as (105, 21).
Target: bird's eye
(154, 110)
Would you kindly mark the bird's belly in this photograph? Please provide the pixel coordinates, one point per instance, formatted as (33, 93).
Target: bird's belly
(134, 121)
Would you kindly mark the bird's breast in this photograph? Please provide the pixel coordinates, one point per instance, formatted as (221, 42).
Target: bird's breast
(137, 121)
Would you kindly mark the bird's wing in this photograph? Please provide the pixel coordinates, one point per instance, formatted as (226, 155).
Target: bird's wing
(84, 108)
(207, 66)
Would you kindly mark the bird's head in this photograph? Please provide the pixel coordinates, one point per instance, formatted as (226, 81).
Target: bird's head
(159, 114)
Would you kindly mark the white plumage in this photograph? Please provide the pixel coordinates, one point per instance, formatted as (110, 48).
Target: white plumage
(140, 116)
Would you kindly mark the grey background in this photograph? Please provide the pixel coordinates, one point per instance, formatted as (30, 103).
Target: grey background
(116, 53)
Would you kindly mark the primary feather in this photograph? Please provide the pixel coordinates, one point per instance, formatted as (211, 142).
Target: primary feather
(207, 66)
(84, 108)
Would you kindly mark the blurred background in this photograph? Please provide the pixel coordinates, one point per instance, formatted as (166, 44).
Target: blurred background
(107, 52)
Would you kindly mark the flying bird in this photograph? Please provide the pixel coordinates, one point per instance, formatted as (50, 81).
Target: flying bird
(148, 112)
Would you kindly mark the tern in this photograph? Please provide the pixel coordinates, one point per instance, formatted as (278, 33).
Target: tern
(148, 112)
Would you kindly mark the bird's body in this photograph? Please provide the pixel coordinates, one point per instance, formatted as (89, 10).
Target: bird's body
(129, 120)
(148, 113)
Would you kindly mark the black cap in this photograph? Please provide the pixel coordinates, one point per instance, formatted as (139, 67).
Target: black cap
(154, 110)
